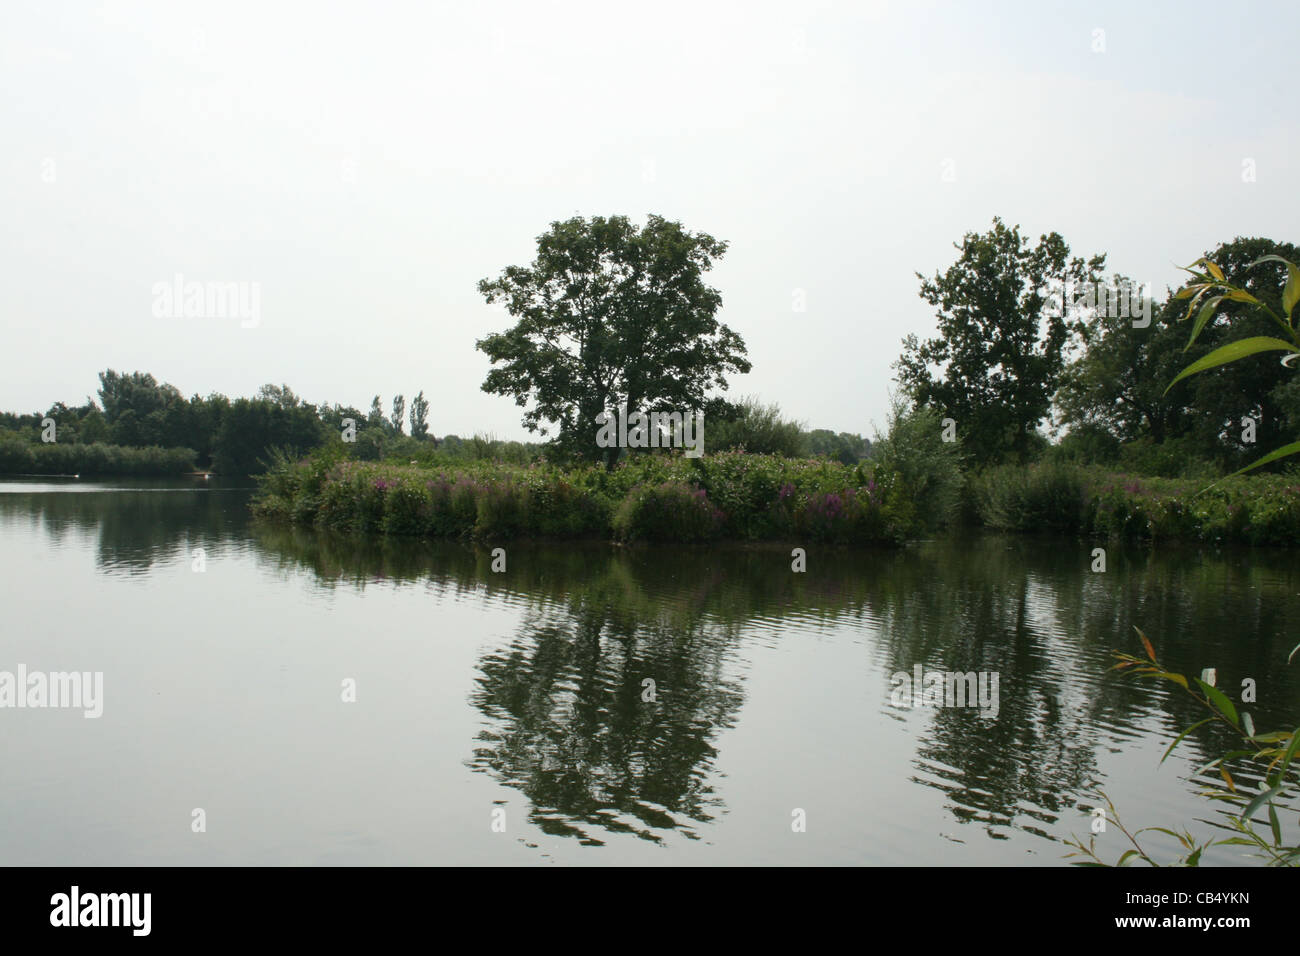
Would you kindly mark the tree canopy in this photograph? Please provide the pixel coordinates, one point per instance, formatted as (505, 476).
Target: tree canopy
(610, 313)
(995, 364)
(1118, 385)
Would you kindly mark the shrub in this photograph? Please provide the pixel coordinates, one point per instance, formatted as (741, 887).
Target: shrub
(16, 457)
(848, 517)
(758, 429)
(672, 511)
(1042, 497)
(930, 468)
(502, 509)
(408, 508)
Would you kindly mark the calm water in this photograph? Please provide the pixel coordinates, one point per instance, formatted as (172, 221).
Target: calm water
(517, 697)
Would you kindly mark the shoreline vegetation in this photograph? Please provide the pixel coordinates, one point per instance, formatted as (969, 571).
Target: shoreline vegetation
(731, 495)
(97, 459)
(1145, 409)
(734, 496)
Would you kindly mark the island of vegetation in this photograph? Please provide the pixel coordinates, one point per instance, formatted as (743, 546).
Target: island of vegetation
(1016, 416)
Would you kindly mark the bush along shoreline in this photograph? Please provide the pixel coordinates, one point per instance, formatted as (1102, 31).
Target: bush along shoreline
(20, 458)
(743, 497)
(1065, 499)
(728, 496)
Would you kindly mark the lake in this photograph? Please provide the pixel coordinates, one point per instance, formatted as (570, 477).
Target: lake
(276, 695)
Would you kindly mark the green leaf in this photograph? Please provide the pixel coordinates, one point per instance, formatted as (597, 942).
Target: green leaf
(1290, 294)
(1220, 701)
(1268, 259)
(1249, 724)
(1241, 295)
(1297, 647)
(1260, 797)
(1192, 267)
(1282, 452)
(1274, 825)
(1290, 754)
(1234, 351)
(1176, 836)
(1126, 856)
(1206, 766)
(1206, 313)
(1273, 737)
(1199, 723)
(1196, 300)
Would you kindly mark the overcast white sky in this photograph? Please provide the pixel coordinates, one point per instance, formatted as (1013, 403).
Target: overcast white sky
(368, 163)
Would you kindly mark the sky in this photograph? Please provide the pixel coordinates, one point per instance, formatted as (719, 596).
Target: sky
(360, 167)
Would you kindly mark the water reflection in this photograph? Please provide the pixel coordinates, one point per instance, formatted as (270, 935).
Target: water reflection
(608, 701)
(564, 719)
(134, 526)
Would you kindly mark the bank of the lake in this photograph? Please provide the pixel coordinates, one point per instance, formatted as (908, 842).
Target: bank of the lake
(730, 495)
(95, 459)
(737, 496)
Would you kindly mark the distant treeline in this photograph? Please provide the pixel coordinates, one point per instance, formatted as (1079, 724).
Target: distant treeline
(95, 458)
(140, 426)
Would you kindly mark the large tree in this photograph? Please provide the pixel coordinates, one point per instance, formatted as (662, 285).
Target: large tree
(137, 392)
(420, 416)
(399, 410)
(252, 430)
(610, 313)
(995, 364)
(1119, 384)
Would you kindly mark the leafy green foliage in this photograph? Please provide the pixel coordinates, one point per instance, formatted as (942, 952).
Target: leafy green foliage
(98, 459)
(930, 468)
(419, 416)
(609, 313)
(252, 427)
(671, 511)
(844, 447)
(1000, 351)
(1040, 498)
(1127, 383)
(749, 425)
(730, 495)
(1058, 497)
(1270, 313)
(1269, 755)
